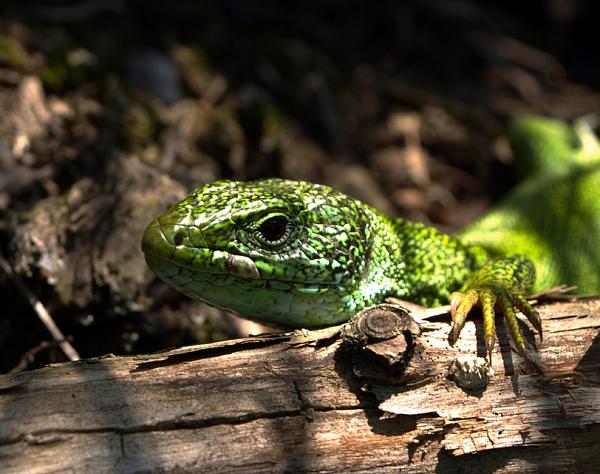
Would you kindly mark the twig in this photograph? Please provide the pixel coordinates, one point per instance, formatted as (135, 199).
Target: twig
(28, 357)
(552, 292)
(41, 311)
(559, 293)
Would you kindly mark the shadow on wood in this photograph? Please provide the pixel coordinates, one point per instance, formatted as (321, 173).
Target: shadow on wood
(296, 402)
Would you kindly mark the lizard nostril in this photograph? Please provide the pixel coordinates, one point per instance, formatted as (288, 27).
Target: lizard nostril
(178, 239)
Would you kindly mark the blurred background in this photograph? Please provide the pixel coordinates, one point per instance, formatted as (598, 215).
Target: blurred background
(112, 110)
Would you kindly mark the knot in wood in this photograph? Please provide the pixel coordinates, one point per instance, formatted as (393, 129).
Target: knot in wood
(382, 340)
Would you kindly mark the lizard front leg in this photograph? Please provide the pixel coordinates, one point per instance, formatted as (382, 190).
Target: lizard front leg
(500, 285)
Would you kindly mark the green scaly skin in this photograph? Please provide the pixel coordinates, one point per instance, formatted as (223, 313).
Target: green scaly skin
(332, 255)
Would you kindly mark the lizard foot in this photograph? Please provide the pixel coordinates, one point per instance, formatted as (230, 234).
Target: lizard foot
(492, 299)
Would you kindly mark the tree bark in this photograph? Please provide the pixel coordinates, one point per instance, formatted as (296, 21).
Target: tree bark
(305, 402)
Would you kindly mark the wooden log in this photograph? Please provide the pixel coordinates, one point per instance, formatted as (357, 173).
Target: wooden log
(295, 402)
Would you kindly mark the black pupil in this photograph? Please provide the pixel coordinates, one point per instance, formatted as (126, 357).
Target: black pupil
(273, 229)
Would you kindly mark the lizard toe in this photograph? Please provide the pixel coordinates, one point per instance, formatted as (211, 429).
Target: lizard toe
(461, 309)
(512, 322)
(488, 300)
(530, 313)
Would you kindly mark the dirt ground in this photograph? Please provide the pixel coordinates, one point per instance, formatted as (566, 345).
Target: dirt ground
(113, 110)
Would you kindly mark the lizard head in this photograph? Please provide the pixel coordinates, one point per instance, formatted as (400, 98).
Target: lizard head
(281, 252)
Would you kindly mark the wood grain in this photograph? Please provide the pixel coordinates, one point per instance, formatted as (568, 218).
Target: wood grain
(290, 403)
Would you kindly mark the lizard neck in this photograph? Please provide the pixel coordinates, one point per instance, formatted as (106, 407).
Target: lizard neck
(423, 265)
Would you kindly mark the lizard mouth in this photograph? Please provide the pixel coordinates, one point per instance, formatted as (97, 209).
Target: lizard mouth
(168, 260)
(236, 265)
(160, 251)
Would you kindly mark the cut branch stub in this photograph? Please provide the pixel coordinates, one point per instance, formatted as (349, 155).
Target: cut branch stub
(383, 339)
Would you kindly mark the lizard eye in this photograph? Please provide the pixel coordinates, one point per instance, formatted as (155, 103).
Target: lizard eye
(273, 228)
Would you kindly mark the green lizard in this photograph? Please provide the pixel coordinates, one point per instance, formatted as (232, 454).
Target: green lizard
(301, 255)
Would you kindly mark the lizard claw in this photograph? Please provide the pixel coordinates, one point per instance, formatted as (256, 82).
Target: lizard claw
(492, 299)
